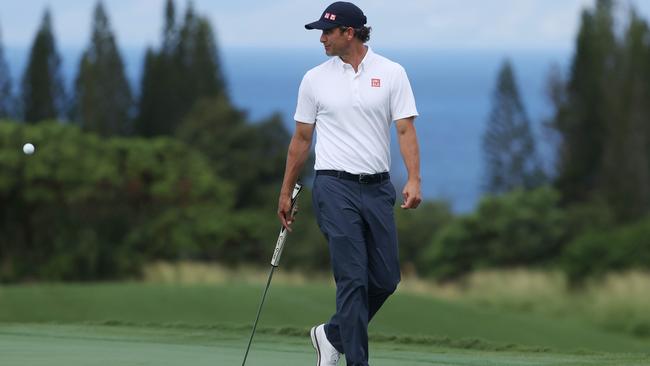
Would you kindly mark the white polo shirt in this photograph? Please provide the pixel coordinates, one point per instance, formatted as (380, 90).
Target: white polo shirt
(353, 111)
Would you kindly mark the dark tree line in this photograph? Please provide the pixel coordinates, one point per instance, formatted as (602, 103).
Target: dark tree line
(602, 179)
(177, 172)
(103, 102)
(182, 95)
(42, 93)
(183, 70)
(6, 97)
(592, 216)
(601, 116)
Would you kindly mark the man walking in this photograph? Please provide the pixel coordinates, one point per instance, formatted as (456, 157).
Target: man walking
(351, 101)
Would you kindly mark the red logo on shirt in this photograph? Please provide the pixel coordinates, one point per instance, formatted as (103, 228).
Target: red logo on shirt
(375, 83)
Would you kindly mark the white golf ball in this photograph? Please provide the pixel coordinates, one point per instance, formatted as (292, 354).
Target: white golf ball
(28, 148)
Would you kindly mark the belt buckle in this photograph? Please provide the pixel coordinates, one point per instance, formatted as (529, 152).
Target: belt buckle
(363, 178)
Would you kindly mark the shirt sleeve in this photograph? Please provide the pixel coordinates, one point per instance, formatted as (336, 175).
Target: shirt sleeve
(306, 107)
(402, 101)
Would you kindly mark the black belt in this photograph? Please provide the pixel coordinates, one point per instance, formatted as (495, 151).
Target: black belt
(361, 178)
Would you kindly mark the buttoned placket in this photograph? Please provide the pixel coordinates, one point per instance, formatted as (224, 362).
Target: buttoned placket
(355, 78)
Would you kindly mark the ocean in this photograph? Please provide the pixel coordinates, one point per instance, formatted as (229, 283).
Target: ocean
(453, 89)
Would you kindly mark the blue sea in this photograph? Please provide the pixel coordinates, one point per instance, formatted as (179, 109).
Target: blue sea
(452, 88)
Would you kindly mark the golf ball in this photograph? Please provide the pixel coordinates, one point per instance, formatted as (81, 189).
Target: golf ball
(28, 148)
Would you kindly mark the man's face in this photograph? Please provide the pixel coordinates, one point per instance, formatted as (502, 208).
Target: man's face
(335, 40)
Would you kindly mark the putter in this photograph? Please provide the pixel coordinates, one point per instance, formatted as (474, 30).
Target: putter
(275, 261)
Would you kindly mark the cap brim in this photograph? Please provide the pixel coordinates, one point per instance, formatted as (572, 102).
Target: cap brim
(319, 24)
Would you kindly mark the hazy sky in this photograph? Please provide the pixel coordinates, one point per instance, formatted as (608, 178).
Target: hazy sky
(430, 24)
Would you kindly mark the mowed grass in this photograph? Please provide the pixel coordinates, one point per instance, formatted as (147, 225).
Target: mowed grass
(89, 345)
(292, 309)
(616, 302)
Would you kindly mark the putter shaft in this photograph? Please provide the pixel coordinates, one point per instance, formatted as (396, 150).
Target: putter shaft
(259, 311)
(275, 261)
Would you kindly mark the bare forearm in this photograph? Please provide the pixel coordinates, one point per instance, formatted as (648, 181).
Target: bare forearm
(410, 152)
(296, 157)
(408, 144)
(298, 152)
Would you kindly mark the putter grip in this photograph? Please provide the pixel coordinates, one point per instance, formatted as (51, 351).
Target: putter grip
(279, 245)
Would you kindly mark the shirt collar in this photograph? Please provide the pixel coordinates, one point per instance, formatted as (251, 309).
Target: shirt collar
(366, 60)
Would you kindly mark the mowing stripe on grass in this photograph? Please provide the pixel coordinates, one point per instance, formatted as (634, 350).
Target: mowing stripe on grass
(406, 317)
(93, 345)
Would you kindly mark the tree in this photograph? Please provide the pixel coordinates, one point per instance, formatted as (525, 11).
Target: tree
(251, 156)
(103, 101)
(170, 30)
(508, 143)
(99, 208)
(581, 119)
(6, 98)
(159, 86)
(43, 95)
(626, 150)
(602, 113)
(198, 60)
(184, 70)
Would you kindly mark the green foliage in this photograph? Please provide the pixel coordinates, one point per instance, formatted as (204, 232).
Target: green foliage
(523, 228)
(153, 102)
(83, 208)
(6, 98)
(89, 205)
(581, 119)
(626, 165)
(251, 156)
(197, 60)
(416, 229)
(103, 101)
(601, 115)
(453, 252)
(184, 70)
(517, 229)
(111, 204)
(601, 251)
(159, 98)
(584, 217)
(508, 143)
(42, 85)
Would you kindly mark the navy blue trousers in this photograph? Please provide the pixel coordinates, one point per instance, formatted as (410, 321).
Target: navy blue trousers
(358, 222)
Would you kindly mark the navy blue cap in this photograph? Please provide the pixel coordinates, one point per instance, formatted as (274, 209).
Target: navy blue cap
(340, 13)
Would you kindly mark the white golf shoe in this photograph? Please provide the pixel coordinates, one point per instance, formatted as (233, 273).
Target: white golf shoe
(327, 355)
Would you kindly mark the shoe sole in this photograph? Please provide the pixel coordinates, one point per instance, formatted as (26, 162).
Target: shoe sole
(314, 342)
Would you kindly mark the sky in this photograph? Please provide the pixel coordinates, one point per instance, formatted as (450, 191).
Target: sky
(412, 24)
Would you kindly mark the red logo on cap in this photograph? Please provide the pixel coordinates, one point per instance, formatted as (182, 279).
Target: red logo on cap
(333, 17)
(327, 15)
(375, 83)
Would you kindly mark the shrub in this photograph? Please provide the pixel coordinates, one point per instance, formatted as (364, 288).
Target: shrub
(85, 208)
(416, 229)
(520, 228)
(601, 251)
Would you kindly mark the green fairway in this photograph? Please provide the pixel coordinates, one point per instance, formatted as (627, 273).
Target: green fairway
(77, 345)
(142, 324)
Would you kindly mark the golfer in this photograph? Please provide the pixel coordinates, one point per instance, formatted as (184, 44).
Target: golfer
(350, 101)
